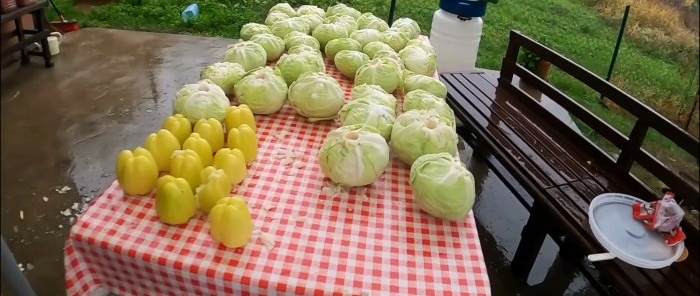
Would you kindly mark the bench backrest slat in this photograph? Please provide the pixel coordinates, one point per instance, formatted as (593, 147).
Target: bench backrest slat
(630, 147)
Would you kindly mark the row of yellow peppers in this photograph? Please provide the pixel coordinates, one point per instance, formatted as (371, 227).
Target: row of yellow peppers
(199, 178)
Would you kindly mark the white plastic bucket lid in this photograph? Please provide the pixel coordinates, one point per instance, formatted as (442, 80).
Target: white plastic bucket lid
(610, 217)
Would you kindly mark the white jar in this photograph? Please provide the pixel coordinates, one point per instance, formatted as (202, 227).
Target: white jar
(456, 41)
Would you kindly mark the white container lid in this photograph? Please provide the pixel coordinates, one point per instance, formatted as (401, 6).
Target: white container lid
(612, 223)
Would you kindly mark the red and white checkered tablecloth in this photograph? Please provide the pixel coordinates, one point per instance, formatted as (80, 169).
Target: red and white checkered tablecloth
(376, 243)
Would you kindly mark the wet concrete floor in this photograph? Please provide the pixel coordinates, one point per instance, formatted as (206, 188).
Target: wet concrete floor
(63, 127)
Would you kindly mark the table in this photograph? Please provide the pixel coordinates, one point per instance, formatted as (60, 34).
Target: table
(375, 242)
(39, 34)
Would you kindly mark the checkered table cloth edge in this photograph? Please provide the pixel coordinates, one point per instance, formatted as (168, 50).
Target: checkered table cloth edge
(372, 243)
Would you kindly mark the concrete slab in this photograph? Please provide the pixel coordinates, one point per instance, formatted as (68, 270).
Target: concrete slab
(108, 90)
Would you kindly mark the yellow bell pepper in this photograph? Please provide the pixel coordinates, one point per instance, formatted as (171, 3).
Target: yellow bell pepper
(198, 144)
(244, 139)
(233, 163)
(230, 222)
(179, 126)
(187, 165)
(215, 185)
(241, 114)
(137, 171)
(175, 203)
(162, 145)
(212, 131)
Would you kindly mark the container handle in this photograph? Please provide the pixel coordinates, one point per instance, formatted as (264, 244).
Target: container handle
(58, 35)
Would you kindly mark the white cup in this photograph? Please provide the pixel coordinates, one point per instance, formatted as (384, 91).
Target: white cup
(54, 42)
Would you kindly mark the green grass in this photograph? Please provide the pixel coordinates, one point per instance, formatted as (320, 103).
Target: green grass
(654, 75)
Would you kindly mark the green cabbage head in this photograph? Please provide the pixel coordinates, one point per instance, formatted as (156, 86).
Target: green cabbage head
(283, 27)
(354, 155)
(295, 38)
(417, 132)
(313, 20)
(274, 17)
(248, 54)
(368, 113)
(391, 55)
(418, 60)
(316, 96)
(342, 9)
(283, 8)
(348, 61)
(442, 186)
(304, 48)
(373, 47)
(394, 38)
(336, 45)
(423, 100)
(311, 9)
(375, 93)
(264, 91)
(408, 26)
(368, 20)
(250, 29)
(432, 85)
(201, 100)
(327, 32)
(365, 36)
(346, 21)
(224, 74)
(273, 45)
(293, 65)
(383, 72)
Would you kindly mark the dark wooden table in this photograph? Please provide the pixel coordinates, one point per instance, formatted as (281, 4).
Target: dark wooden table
(27, 37)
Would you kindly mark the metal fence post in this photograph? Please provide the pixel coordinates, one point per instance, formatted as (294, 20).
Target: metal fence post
(392, 8)
(12, 276)
(617, 49)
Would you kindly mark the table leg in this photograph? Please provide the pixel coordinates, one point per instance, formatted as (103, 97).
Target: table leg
(11, 274)
(20, 37)
(41, 26)
(531, 241)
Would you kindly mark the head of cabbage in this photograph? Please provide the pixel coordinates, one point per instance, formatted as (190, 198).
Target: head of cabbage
(342, 9)
(264, 91)
(364, 36)
(348, 61)
(368, 20)
(304, 48)
(316, 96)
(354, 155)
(408, 26)
(283, 8)
(248, 54)
(442, 186)
(273, 45)
(313, 20)
(224, 74)
(250, 29)
(293, 65)
(346, 21)
(274, 17)
(373, 47)
(311, 9)
(424, 44)
(336, 45)
(327, 32)
(283, 27)
(381, 71)
(417, 132)
(368, 113)
(395, 38)
(390, 54)
(201, 100)
(418, 60)
(374, 93)
(414, 81)
(423, 100)
(295, 38)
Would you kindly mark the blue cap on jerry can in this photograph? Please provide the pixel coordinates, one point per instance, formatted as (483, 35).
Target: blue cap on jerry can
(464, 8)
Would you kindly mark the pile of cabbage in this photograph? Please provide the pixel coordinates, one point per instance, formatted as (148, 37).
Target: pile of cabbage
(283, 60)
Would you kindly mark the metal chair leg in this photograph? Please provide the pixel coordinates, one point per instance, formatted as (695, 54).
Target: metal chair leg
(12, 276)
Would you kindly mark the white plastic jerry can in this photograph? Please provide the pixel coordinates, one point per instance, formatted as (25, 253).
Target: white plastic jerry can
(456, 41)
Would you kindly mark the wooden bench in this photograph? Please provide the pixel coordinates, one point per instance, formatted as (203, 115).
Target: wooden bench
(562, 170)
(27, 37)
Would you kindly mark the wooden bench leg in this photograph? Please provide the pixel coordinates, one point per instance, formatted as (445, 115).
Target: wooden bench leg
(41, 25)
(531, 241)
(20, 37)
